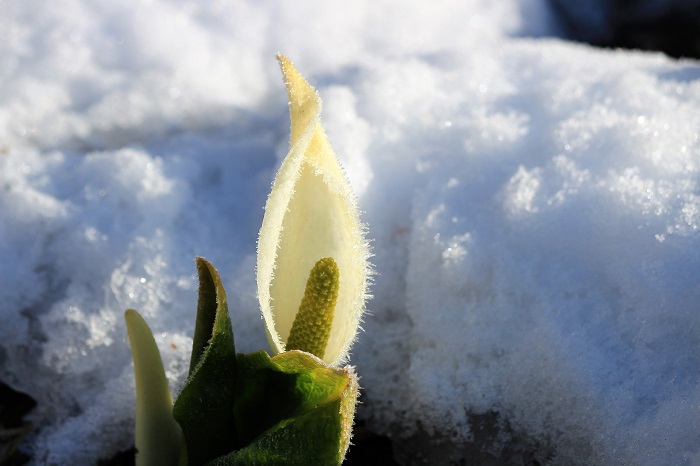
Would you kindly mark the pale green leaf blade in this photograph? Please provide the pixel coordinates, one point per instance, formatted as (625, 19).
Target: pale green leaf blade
(158, 435)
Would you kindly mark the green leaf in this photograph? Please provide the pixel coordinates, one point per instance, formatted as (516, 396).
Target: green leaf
(204, 407)
(158, 437)
(292, 409)
(206, 312)
(308, 439)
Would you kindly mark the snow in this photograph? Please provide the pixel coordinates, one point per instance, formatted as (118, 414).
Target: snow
(534, 208)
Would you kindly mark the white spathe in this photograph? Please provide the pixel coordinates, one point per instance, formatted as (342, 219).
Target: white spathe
(311, 213)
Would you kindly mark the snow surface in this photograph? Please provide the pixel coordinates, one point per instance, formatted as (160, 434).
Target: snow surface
(534, 207)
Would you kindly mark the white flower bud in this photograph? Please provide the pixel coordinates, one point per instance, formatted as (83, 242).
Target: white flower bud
(310, 214)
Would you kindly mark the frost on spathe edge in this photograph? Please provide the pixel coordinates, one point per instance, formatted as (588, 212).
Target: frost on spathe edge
(310, 213)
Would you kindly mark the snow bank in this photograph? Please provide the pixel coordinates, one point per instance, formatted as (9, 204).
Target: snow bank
(534, 207)
(551, 255)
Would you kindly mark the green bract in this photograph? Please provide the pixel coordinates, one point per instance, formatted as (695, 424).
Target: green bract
(297, 407)
(293, 410)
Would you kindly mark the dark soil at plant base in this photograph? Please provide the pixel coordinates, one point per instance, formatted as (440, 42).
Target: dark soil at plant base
(14, 430)
(367, 448)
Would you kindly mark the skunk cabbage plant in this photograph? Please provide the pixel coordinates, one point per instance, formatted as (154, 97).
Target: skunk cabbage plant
(295, 407)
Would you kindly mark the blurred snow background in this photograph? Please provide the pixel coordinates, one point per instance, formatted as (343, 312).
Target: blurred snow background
(534, 206)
